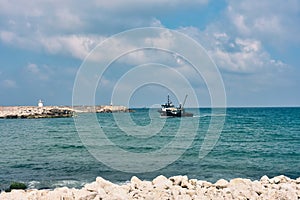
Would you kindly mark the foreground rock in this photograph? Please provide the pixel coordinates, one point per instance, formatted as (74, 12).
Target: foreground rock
(177, 187)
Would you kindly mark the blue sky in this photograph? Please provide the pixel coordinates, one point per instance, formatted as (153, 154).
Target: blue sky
(255, 45)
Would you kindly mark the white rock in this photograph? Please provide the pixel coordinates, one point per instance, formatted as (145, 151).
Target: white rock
(101, 186)
(191, 192)
(257, 187)
(212, 193)
(241, 188)
(265, 179)
(184, 197)
(93, 187)
(43, 193)
(84, 194)
(287, 187)
(274, 180)
(280, 179)
(240, 182)
(118, 193)
(193, 182)
(126, 187)
(177, 180)
(135, 182)
(102, 182)
(281, 187)
(147, 185)
(222, 183)
(101, 192)
(34, 194)
(14, 194)
(55, 194)
(154, 194)
(187, 184)
(162, 182)
(204, 184)
(274, 186)
(64, 193)
(175, 191)
(292, 195)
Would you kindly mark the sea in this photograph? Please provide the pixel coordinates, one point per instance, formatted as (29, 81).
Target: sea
(213, 144)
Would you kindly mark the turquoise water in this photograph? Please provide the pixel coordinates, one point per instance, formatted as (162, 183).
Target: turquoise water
(47, 153)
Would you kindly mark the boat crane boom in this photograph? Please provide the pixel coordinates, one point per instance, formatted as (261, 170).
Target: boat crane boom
(184, 100)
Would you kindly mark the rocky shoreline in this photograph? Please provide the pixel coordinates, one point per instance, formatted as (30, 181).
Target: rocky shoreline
(177, 187)
(100, 109)
(34, 112)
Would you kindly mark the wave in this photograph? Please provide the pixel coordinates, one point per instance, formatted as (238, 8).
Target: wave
(69, 146)
(55, 184)
(210, 115)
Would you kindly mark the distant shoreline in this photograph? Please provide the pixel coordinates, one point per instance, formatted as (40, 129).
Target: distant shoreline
(229, 107)
(36, 112)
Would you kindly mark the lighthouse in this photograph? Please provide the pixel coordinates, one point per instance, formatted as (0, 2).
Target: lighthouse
(40, 103)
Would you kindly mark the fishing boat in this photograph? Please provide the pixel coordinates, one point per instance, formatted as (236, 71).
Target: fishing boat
(169, 110)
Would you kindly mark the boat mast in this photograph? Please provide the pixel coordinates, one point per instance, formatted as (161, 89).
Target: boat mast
(184, 100)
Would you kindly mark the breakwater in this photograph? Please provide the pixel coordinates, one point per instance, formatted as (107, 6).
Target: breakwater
(34, 112)
(100, 109)
(176, 187)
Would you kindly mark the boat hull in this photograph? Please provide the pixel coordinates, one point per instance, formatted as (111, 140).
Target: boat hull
(175, 114)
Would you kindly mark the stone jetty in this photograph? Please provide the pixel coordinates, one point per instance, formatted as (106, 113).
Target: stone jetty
(101, 109)
(33, 112)
(177, 187)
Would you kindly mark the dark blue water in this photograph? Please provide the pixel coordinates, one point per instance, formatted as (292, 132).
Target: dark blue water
(47, 153)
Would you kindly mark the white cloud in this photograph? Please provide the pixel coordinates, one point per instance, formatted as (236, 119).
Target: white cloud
(14, 39)
(39, 72)
(67, 20)
(239, 22)
(248, 45)
(73, 28)
(8, 83)
(60, 25)
(246, 61)
(7, 36)
(155, 23)
(78, 46)
(33, 68)
(275, 22)
(53, 17)
(235, 54)
(269, 25)
(147, 4)
(165, 40)
(135, 50)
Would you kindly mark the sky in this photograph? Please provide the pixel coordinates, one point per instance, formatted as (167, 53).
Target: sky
(254, 44)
